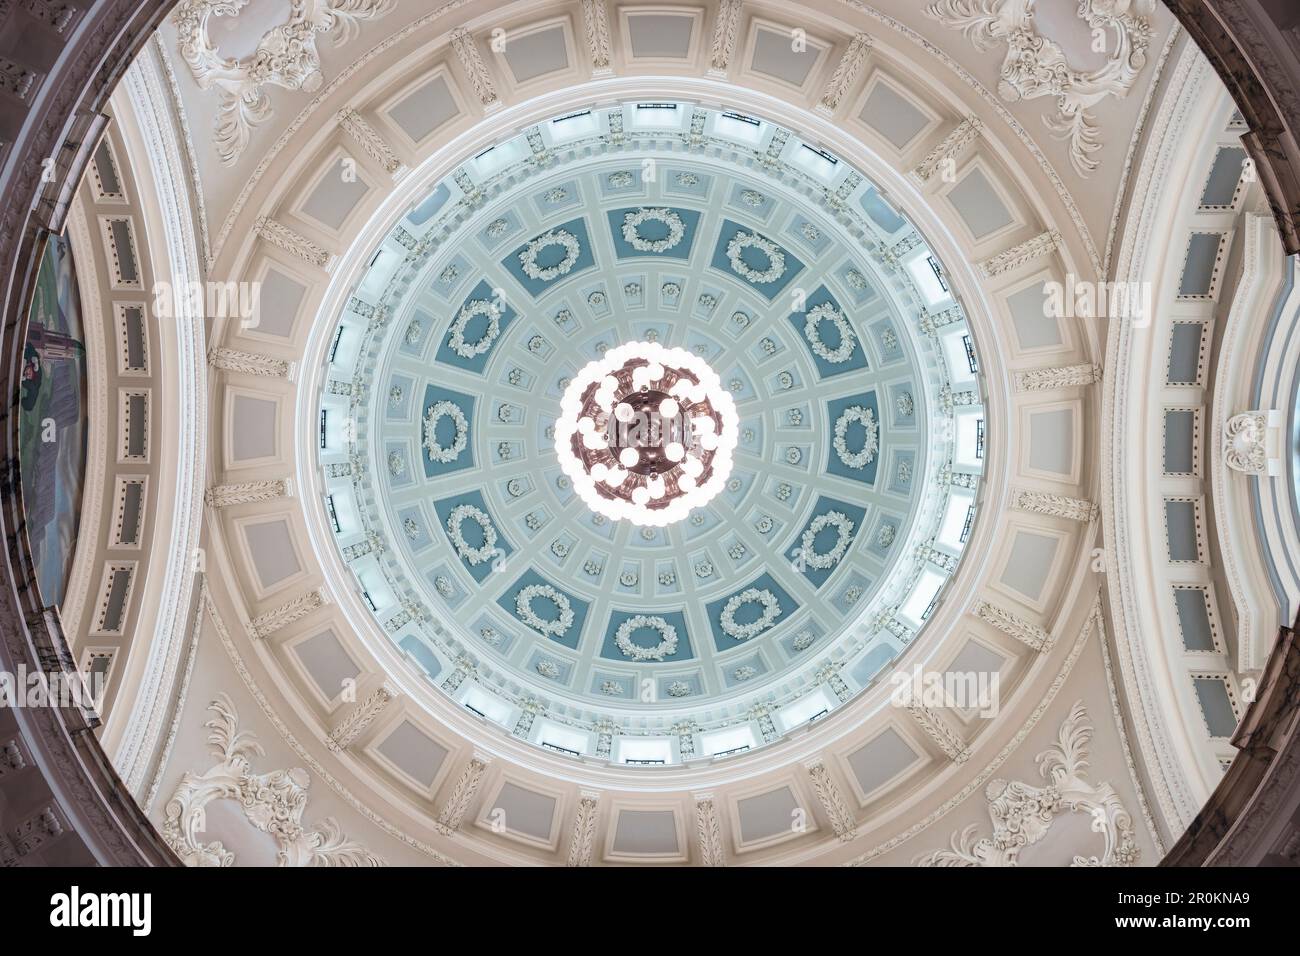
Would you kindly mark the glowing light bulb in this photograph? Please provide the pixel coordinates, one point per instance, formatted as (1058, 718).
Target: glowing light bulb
(703, 424)
(669, 408)
(656, 487)
(640, 495)
(623, 412)
(686, 483)
(708, 441)
(629, 457)
(586, 425)
(654, 371)
(599, 470)
(615, 477)
(674, 451)
(692, 466)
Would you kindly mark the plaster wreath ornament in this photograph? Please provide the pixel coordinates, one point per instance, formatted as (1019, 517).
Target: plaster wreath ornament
(557, 626)
(1036, 66)
(743, 632)
(1245, 446)
(807, 554)
(747, 240)
(273, 803)
(432, 416)
(456, 341)
(679, 688)
(856, 414)
(825, 312)
(555, 237)
(1024, 813)
(467, 512)
(666, 647)
(620, 179)
(633, 221)
(285, 56)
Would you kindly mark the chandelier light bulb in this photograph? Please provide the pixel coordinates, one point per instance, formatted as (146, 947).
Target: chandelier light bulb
(674, 451)
(640, 495)
(629, 457)
(668, 408)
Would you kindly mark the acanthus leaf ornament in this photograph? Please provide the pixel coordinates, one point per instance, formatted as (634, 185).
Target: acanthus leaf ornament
(1036, 66)
(467, 512)
(1023, 813)
(285, 56)
(272, 802)
(825, 312)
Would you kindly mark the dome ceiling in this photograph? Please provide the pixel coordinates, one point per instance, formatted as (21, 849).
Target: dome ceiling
(782, 269)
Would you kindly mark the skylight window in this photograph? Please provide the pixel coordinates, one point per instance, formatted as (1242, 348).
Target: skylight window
(739, 127)
(487, 705)
(927, 278)
(816, 161)
(499, 157)
(563, 739)
(920, 602)
(954, 525)
(953, 343)
(969, 450)
(811, 706)
(651, 115)
(574, 125)
(726, 742)
(644, 751)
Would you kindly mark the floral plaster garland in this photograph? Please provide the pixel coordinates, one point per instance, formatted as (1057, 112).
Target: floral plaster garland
(434, 414)
(632, 222)
(555, 237)
(484, 342)
(812, 332)
(666, 647)
(466, 512)
(775, 258)
(807, 554)
(524, 609)
(743, 632)
(867, 453)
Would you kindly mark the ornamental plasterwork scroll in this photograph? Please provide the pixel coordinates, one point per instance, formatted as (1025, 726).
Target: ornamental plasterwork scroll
(950, 147)
(462, 795)
(282, 237)
(725, 29)
(271, 621)
(286, 56)
(245, 492)
(368, 138)
(273, 803)
(462, 43)
(250, 363)
(1023, 813)
(1057, 377)
(583, 842)
(360, 717)
(832, 801)
(1036, 66)
(1028, 633)
(1042, 244)
(1056, 506)
(1245, 446)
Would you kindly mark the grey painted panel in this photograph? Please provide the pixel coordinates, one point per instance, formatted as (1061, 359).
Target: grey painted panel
(137, 432)
(424, 109)
(1198, 270)
(1180, 524)
(891, 115)
(766, 815)
(412, 750)
(120, 230)
(115, 606)
(1034, 329)
(1051, 441)
(1185, 353)
(107, 170)
(254, 428)
(660, 35)
(1194, 619)
(328, 664)
(133, 326)
(334, 198)
(881, 759)
(271, 547)
(525, 811)
(1180, 433)
(1216, 705)
(1029, 563)
(132, 506)
(537, 54)
(646, 831)
(1224, 176)
(278, 303)
(978, 205)
(775, 56)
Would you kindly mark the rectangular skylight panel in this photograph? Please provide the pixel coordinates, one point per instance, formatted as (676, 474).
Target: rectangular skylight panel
(644, 750)
(915, 608)
(727, 741)
(657, 116)
(574, 125)
(805, 709)
(562, 738)
(925, 279)
(739, 127)
(816, 161)
(968, 452)
(954, 519)
(954, 354)
(489, 705)
(499, 157)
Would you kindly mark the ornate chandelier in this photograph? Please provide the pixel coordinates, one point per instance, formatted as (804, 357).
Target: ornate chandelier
(646, 433)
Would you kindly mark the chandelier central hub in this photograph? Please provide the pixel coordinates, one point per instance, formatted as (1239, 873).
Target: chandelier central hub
(646, 433)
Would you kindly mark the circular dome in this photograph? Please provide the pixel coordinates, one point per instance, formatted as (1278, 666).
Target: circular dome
(513, 305)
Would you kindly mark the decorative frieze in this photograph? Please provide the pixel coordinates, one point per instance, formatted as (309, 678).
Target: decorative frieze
(1027, 633)
(596, 21)
(1252, 442)
(528, 712)
(56, 14)
(832, 801)
(930, 323)
(940, 559)
(466, 50)
(361, 717)
(604, 739)
(935, 727)
(685, 733)
(725, 29)
(1056, 377)
(462, 794)
(246, 492)
(1041, 245)
(583, 842)
(371, 544)
(294, 243)
(374, 145)
(268, 623)
(12, 758)
(250, 363)
(464, 667)
(829, 674)
(762, 715)
(708, 830)
(949, 148)
(846, 71)
(948, 477)
(948, 399)
(1057, 506)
